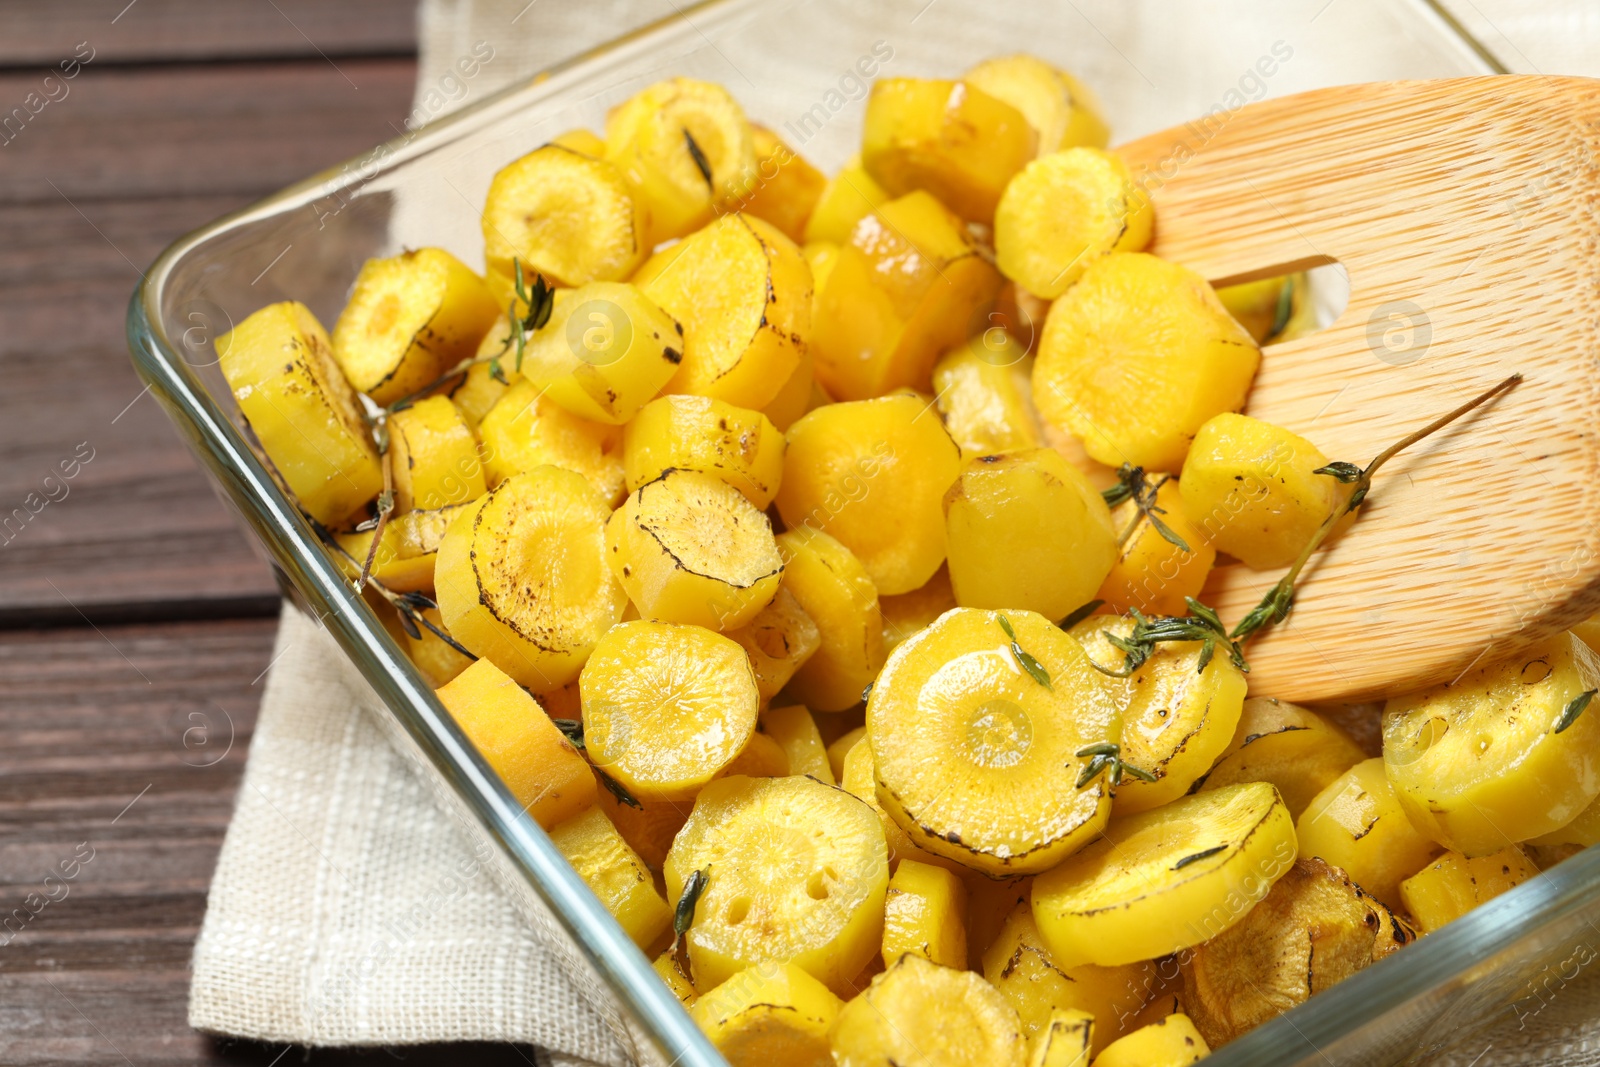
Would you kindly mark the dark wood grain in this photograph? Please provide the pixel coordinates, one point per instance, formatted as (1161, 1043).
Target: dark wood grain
(130, 739)
(127, 741)
(90, 194)
(42, 32)
(241, 130)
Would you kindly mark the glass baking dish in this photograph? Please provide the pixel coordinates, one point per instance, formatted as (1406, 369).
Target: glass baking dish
(801, 66)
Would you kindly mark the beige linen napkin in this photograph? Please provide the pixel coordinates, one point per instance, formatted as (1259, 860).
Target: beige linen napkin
(348, 908)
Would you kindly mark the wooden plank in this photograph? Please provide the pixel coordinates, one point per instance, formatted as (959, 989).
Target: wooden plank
(138, 533)
(43, 32)
(138, 529)
(91, 722)
(197, 131)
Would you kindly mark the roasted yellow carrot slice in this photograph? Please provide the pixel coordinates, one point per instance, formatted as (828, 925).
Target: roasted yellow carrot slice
(1064, 211)
(796, 873)
(666, 708)
(1315, 929)
(779, 639)
(696, 433)
(979, 727)
(981, 390)
(1292, 747)
(1509, 751)
(925, 914)
(1252, 488)
(742, 293)
(1167, 879)
(851, 467)
(948, 137)
(690, 548)
(1453, 885)
(616, 875)
(410, 318)
(522, 578)
(834, 589)
(565, 215)
(1172, 1042)
(769, 1016)
(786, 187)
(526, 429)
(606, 351)
(1025, 530)
(1136, 357)
(1357, 823)
(279, 364)
(919, 1012)
(1059, 107)
(435, 457)
(551, 781)
(1176, 718)
(687, 148)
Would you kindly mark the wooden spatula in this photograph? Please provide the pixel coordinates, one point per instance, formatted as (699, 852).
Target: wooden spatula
(1467, 214)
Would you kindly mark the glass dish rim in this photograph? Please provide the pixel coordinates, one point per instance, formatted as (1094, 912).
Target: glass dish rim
(1424, 969)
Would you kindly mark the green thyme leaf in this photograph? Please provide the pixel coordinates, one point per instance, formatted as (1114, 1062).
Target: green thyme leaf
(1107, 754)
(573, 730)
(1034, 668)
(1341, 471)
(408, 623)
(1274, 607)
(1206, 615)
(699, 157)
(1079, 615)
(866, 691)
(1130, 483)
(617, 789)
(1196, 857)
(1166, 531)
(1093, 769)
(683, 915)
(1574, 708)
(1135, 772)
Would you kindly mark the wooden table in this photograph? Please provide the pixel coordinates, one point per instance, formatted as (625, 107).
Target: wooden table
(137, 622)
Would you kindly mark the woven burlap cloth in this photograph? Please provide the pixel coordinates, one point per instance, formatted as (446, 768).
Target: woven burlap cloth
(348, 908)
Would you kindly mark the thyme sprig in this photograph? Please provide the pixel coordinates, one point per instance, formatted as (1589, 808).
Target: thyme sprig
(408, 606)
(1133, 484)
(1104, 755)
(1201, 624)
(1034, 668)
(539, 298)
(385, 506)
(1275, 606)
